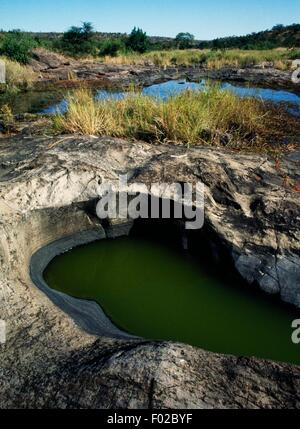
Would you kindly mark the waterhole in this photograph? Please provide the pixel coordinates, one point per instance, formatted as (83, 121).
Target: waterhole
(150, 287)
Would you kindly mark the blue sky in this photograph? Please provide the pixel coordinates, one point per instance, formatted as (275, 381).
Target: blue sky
(205, 19)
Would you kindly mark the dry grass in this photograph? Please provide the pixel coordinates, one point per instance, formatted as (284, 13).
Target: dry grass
(193, 117)
(6, 118)
(208, 58)
(84, 115)
(18, 75)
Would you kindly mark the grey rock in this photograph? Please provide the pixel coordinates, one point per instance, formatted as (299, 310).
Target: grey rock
(48, 59)
(49, 361)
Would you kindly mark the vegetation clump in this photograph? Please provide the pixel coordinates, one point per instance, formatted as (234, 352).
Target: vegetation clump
(7, 120)
(111, 47)
(184, 40)
(279, 36)
(212, 116)
(137, 41)
(78, 41)
(17, 46)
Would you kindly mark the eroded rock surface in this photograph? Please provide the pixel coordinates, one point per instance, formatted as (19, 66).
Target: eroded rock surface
(53, 67)
(252, 206)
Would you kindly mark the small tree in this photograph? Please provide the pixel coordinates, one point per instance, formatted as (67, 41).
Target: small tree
(218, 44)
(79, 40)
(138, 40)
(17, 46)
(184, 40)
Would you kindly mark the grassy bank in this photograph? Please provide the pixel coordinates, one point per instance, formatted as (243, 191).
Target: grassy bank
(281, 58)
(200, 117)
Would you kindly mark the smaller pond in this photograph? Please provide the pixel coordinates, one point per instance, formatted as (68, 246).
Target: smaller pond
(151, 290)
(165, 90)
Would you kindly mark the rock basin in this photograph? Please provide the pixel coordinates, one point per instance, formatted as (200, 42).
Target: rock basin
(49, 361)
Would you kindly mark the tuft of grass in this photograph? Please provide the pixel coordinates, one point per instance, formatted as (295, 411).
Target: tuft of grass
(211, 117)
(7, 119)
(84, 115)
(18, 75)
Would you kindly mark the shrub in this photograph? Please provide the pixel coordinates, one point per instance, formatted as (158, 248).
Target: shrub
(138, 41)
(17, 46)
(184, 40)
(111, 47)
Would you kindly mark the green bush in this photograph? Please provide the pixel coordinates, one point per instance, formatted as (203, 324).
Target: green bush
(294, 54)
(17, 46)
(111, 47)
(138, 41)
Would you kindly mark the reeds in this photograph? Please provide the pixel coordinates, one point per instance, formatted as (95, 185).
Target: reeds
(212, 116)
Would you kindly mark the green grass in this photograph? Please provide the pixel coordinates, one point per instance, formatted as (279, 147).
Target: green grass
(209, 58)
(192, 117)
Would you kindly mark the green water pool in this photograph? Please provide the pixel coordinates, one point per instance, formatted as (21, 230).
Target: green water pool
(150, 290)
